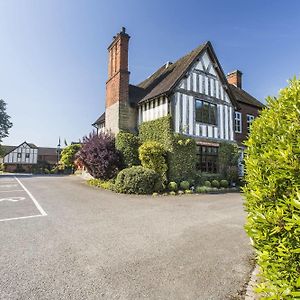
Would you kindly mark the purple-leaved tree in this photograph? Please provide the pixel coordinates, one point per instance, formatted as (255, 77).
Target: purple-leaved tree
(99, 155)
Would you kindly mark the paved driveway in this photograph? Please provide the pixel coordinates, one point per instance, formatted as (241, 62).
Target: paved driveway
(66, 240)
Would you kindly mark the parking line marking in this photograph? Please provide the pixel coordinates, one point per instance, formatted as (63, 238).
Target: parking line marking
(19, 218)
(43, 213)
(12, 191)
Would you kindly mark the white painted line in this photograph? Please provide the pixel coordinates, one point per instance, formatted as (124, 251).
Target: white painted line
(43, 213)
(7, 185)
(20, 218)
(12, 199)
(12, 191)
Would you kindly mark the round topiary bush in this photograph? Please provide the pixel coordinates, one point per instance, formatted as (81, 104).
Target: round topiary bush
(201, 189)
(207, 183)
(215, 183)
(137, 180)
(185, 185)
(224, 183)
(173, 186)
(273, 194)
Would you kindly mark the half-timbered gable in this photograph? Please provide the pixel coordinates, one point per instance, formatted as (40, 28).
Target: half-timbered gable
(202, 105)
(22, 154)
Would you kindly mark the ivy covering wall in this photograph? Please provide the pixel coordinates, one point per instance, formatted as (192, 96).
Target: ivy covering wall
(181, 151)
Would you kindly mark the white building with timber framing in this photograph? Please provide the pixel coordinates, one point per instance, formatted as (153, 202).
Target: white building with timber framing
(203, 102)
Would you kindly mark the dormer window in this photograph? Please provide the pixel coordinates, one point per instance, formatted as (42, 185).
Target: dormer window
(206, 112)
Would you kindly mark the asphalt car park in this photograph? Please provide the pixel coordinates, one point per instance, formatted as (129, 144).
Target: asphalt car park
(16, 202)
(62, 239)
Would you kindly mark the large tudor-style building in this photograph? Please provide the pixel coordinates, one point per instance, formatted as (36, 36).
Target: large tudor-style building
(203, 102)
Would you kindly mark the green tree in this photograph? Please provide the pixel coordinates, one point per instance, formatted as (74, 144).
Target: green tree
(68, 155)
(273, 194)
(5, 123)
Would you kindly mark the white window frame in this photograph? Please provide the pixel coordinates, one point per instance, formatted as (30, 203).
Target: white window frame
(250, 118)
(238, 122)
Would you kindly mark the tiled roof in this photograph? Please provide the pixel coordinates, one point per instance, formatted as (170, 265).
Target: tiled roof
(243, 97)
(167, 76)
(47, 151)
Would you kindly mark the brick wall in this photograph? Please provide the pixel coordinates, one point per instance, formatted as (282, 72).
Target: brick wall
(245, 109)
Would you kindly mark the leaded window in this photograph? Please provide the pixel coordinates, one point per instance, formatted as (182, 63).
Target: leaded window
(207, 159)
(206, 112)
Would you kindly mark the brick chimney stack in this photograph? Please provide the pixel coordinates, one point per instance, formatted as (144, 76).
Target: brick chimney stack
(118, 74)
(119, 115)
(235, 78)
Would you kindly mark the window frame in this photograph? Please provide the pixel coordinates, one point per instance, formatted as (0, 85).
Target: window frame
(212, 107)
(250, 119)
(238, 125)
(19, 154)
(207, 159)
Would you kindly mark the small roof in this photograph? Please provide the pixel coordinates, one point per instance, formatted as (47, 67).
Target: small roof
(243, 97)
(100, 120)
(47, 151)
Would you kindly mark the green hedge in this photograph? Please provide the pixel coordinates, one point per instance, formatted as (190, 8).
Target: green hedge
(273, 194)
(137, 180)
(181, 150)
(128, 144)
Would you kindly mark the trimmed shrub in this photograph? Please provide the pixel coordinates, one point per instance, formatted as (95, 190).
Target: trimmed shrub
(173, 186)
(215, 183)
(99, 155)
(207, 183)
(224, 183)
(273, 194)
(107, 185)
(188, 192)
(181, 150)
(201, 177)
(185, 185)
(128, 145)
(201, 189)
(172, 193)
(137, 180)
(152, 156)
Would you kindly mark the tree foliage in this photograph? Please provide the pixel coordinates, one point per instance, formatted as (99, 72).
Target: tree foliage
(99, 155)
(68, 155)
(273, 194)
(5, 123)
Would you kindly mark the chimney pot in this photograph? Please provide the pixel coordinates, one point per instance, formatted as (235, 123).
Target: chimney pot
(123, 30)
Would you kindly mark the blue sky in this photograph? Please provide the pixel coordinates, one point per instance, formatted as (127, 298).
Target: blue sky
(53, 53)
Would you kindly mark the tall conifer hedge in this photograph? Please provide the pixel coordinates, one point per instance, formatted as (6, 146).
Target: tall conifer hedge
(273, 194)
